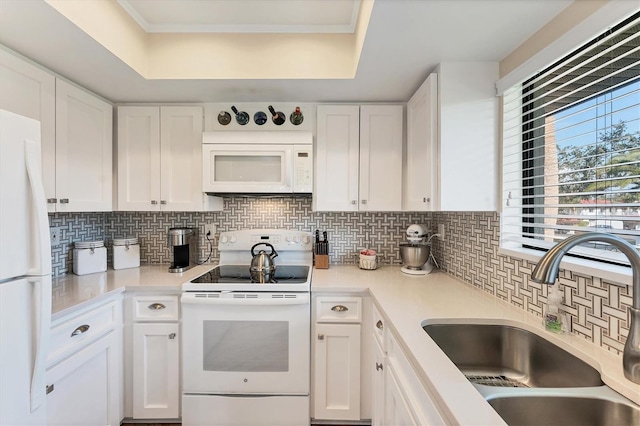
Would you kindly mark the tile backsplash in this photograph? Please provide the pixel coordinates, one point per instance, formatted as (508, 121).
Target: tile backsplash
(597, 309)
(348, 232)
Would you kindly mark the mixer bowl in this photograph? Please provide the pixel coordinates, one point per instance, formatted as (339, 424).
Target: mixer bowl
(414, 255)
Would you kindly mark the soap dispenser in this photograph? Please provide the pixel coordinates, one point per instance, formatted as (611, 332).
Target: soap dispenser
(554, 319)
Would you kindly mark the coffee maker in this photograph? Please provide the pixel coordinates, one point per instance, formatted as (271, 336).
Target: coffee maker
(181, 241)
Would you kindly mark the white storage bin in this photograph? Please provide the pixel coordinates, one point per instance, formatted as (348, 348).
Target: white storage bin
(89, 257)
(126, 253)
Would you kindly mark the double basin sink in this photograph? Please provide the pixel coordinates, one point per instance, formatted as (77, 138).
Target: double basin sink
(529, 380)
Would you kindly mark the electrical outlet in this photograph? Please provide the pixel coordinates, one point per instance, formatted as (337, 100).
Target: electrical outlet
(441, 231)
(210, 230)
(55, 235)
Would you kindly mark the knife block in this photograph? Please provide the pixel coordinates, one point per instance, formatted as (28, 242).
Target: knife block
(322, 261)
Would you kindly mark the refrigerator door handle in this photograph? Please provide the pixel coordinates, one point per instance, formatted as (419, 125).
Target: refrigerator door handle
(33, 161)
(42, 311)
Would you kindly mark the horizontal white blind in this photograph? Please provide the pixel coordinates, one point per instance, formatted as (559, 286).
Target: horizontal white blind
(571, 157)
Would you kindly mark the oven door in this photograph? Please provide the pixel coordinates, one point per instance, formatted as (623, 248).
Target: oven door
(247, 168)
(246, 343)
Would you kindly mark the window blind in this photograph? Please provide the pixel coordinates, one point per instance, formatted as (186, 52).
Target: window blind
(571, 148)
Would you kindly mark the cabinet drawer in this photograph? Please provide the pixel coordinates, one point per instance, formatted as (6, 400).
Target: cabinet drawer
(339, 309)
(71, 333)
(378, 326)
(156, 308)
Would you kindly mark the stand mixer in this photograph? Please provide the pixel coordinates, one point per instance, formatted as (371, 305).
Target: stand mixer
(416, 253)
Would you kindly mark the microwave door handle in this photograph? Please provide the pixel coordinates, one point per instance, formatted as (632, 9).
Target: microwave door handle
(288, 164)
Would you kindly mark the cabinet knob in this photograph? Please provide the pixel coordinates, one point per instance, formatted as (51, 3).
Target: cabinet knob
(379, 325)
(50, 388)
(163, 202)
(52, 200)
(172, 336)
(156, 306)
(320, 336)
(154, 202)
(378, 366)
(364, 201)
(339, 308)
(354, 202)
(64, 201)
(80, 330)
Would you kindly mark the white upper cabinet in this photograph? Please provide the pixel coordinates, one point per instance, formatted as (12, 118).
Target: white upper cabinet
(451, 161)
(83, 150)
(468, 136)
(420, 155)
(30, 91)
(358, 158)
(160, 159)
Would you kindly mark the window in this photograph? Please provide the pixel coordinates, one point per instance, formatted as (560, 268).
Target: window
(571, 156)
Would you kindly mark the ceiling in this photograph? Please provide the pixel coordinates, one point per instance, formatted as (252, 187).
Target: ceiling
(405, 40)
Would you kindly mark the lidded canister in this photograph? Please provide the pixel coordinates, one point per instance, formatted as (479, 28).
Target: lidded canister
(89, 257)
(126, 253)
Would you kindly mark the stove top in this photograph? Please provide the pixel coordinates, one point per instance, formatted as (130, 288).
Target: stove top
(240, 274)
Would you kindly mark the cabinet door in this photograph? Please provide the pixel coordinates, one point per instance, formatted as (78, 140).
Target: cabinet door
(30, 91)
(181, 158)
(377, 395)
(138, 158)
(421, 156)
(396, 408)
(84, 388)
(156, 363)
(83, 150)
(337, 372)
(381, 157)
(336, 168)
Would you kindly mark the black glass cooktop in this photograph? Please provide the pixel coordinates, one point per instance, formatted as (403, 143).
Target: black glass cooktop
(240, 274)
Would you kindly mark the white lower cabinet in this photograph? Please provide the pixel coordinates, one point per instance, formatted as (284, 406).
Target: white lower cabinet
(399, 398)
(336, 358)
(156, 386)
(84, 374)
(154, 359)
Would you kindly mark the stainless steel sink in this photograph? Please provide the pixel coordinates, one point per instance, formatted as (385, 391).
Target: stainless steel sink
(566, 411)
(498, 355)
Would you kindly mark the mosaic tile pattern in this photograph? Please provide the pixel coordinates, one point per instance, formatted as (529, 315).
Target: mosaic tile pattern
(597, 310)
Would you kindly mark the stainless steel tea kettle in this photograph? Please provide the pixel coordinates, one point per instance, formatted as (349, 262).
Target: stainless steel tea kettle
(262, 265)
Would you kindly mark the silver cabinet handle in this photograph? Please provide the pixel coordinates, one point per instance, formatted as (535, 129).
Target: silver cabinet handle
(80, 330)
(52, 200)
(364, 201)
(154, 202)
(163, 202)
(50, 388)
(172, 336)
(379, 325)
(320, 336)
(156, 306)
(378, 367)
(339, 308)
(64, 201)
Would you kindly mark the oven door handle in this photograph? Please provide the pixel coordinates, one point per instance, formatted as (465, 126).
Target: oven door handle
(206, 299)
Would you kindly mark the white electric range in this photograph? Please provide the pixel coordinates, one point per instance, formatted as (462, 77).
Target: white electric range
(246, 344)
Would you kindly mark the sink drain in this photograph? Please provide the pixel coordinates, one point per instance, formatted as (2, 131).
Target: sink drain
(499, 381)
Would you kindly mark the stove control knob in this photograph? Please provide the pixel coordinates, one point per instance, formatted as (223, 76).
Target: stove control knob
(296, 239)
(233, 239)
(306, 239)
(224, 239)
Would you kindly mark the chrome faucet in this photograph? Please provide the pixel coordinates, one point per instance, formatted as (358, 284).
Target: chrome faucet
(546, 272)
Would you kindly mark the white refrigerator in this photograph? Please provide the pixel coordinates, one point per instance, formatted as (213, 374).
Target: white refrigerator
(25, 274)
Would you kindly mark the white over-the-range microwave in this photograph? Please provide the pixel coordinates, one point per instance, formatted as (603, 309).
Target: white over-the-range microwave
(257, 162)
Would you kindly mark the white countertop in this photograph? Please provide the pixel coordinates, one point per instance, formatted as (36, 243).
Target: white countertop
(409, 302)
(73, 292)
